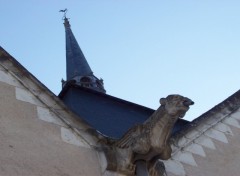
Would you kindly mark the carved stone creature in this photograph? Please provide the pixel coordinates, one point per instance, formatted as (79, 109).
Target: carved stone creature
(152, 136)
(149, 141)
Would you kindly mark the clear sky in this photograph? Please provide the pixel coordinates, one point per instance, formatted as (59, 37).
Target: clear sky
(143, 49)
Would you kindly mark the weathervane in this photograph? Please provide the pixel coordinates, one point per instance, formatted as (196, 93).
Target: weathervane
(64, 13)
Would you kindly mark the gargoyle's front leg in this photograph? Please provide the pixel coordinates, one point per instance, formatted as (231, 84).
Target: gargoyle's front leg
(166, 153)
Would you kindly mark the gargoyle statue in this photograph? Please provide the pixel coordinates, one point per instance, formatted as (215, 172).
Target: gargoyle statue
(150, 141)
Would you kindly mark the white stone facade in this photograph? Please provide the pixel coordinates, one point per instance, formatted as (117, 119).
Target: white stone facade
(209, 149)
(38, 134)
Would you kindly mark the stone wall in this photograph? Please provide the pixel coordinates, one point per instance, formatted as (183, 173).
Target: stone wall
(34, 140)
(212, 149)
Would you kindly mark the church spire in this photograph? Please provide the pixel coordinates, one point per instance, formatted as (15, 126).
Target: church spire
(78, 68)
(76, 62)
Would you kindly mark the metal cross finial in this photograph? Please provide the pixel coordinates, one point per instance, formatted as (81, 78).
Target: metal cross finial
(64, 11)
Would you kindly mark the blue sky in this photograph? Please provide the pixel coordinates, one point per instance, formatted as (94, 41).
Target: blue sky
(144, 50)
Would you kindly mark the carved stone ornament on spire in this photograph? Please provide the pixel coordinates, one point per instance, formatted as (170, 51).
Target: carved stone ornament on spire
(149, 141)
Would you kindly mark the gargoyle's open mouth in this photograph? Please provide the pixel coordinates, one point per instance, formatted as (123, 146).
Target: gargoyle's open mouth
(188, 103)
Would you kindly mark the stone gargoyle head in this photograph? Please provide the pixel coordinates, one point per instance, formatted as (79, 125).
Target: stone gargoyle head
(176, 104)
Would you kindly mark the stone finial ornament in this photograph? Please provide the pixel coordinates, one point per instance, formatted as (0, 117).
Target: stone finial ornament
(148, 141)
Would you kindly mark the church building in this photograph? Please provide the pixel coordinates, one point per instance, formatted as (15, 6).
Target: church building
(84, 131)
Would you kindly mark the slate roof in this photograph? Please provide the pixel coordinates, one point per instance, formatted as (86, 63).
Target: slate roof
(109, 115)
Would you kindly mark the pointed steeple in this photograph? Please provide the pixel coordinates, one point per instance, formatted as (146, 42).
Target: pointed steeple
(76, 62)
(78, 68)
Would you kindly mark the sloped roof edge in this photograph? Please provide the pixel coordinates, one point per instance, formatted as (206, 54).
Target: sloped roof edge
(226, 107)
(205, 122)
(47, 97)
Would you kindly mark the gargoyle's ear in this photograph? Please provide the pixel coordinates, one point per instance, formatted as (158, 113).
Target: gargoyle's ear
(163, 101)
